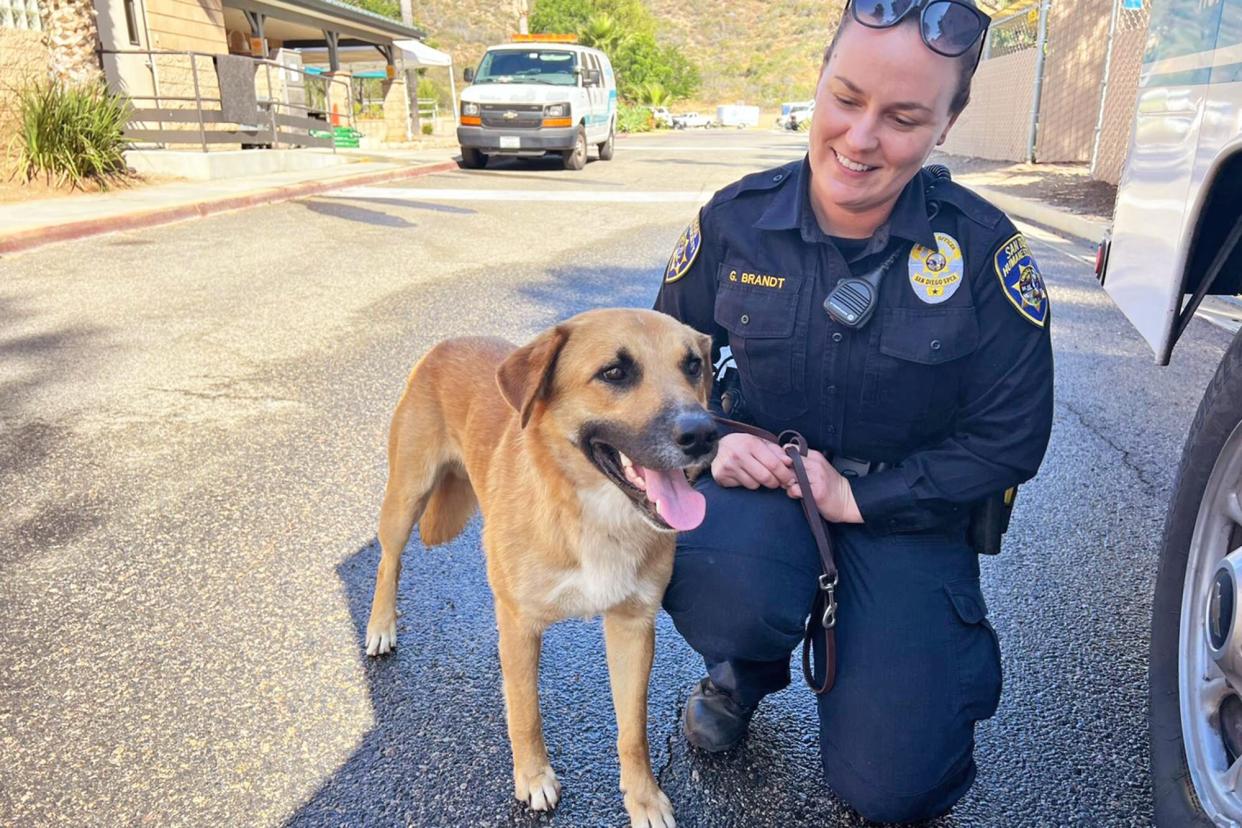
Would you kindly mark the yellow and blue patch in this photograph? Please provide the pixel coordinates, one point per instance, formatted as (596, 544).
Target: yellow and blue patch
(685, 253)
(1021, 280)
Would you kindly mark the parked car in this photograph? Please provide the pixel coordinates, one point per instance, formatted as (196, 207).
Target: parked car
(662, 116)
(538, 95)
(801, 116)
(689, 120)
(789, 110)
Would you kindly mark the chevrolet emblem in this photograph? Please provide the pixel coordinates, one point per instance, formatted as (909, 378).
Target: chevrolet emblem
(510, 115)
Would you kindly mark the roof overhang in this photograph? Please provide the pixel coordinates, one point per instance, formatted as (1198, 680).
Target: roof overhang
(294, 20)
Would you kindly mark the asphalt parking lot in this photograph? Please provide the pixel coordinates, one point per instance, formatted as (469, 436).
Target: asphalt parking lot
(192, 430)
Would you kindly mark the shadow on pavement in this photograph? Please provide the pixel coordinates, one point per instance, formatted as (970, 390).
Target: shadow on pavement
(351, 212)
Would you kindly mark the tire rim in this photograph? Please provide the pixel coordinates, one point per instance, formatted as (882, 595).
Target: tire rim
(1202, 685)
(580, 149)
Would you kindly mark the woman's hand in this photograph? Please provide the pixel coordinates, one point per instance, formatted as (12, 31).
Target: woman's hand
(746, 460)
(832, 493)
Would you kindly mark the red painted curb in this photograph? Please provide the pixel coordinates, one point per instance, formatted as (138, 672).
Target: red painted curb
(29, 239)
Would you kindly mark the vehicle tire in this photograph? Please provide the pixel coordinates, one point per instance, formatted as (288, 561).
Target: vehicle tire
(576, 158)
(608, 148)
(473, 159)
(1198, 533)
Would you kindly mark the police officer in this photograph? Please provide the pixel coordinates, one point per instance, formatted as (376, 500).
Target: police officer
(940, 398)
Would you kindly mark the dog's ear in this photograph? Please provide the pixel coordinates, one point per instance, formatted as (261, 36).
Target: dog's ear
(709, 374)
(526, 374)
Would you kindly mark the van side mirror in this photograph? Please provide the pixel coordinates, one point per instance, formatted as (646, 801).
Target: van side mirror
(593, 77)
(469, 74)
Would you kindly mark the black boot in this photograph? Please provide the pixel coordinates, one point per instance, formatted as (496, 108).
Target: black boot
(713, 721)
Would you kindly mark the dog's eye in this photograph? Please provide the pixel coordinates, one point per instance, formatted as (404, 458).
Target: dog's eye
(614, 373)
(694, 367)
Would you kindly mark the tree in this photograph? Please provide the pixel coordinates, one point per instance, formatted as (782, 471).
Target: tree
(653, 93)
(625, 31)
(72, 40)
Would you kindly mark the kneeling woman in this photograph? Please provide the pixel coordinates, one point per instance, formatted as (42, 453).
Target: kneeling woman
(939, 399)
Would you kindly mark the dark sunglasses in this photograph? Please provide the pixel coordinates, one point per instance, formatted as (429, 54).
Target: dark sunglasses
(949, 27)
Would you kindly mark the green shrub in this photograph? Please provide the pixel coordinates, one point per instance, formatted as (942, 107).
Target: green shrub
(634, 119)
(428, 129)
(71, 134)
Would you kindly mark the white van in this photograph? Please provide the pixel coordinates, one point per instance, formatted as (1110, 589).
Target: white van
(539, 94)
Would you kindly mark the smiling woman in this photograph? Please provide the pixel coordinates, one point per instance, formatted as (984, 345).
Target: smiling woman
(900, 323)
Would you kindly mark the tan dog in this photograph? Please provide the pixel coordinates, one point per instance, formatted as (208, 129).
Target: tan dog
(575, 447)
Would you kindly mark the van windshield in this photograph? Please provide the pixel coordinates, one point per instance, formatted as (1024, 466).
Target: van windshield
(528, 66)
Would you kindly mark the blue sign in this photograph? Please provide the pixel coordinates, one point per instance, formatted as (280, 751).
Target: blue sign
(1132, 5)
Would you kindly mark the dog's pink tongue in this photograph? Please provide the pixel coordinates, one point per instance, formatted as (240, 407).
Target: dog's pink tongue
(681, 506)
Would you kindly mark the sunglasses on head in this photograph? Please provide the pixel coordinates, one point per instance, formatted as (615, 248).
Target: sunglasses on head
(949, 27)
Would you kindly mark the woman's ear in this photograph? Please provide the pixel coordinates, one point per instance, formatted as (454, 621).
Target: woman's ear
(526, 374)
(948, 126)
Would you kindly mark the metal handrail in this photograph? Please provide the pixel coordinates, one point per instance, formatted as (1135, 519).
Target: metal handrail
(271, 103)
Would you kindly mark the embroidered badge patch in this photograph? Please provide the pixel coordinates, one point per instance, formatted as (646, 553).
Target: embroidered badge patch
(684, 254)
(1021, 280)
(936, 274)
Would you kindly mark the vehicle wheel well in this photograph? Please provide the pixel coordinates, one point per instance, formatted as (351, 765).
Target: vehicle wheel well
(1221, 209)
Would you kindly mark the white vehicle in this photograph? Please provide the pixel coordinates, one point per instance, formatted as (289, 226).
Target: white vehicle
(662, 116)
(737, 115)
(801, 115)
(1174, 240)
(788, 111)
(537, 95)
(689, 120)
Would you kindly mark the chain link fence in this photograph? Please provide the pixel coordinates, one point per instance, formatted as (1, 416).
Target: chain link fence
(1085, 90)
(1121, 80)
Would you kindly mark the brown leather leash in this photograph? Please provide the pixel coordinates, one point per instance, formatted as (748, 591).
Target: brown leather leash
(824, 610)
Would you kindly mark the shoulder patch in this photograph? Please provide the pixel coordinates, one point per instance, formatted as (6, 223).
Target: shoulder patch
(1021, 281)
(936, 275)
(685, 253)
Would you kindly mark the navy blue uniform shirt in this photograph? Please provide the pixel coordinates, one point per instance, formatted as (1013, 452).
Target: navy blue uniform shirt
(950, 382)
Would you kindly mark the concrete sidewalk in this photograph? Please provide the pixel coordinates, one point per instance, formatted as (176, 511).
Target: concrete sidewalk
(29, 224)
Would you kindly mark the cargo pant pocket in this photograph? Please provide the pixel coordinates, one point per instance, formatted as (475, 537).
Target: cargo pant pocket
(976, 648)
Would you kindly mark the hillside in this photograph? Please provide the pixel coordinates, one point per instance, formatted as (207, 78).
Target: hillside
(753, 51)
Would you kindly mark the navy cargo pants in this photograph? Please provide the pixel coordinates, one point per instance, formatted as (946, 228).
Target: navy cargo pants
(918, 664)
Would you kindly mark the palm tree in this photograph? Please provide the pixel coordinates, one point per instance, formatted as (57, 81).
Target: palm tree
(72, 41)
(653, 93)
(603, 32)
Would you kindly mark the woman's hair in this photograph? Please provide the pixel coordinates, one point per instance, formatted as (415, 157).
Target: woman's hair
(965, 62)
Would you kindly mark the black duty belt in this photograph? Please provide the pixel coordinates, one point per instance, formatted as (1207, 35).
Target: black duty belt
(824, 610)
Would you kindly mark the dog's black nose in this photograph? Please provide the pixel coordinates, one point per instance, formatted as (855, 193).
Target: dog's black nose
(695, 432)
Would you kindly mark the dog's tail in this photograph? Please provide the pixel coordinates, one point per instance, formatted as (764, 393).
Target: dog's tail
(451, 505)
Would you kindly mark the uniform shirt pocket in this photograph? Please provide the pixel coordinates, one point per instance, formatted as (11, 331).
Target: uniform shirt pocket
(916, 364)
(761, 323)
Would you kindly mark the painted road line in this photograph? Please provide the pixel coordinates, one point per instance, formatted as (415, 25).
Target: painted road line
(588, 196)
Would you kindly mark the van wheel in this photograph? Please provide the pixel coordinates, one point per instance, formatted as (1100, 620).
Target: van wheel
(607, 148)
(472, 159)
(1195, 663)
(576, 158)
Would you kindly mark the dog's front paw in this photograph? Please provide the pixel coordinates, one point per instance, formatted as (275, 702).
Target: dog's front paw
(649, 808)
(381, 635)
(539, 789)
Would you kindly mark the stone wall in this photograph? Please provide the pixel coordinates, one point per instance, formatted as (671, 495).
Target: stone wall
(23, 58)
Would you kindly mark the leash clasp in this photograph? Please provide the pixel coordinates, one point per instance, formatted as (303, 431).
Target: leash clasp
(829, 585)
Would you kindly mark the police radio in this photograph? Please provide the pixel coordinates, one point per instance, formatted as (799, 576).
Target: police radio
(853, 300)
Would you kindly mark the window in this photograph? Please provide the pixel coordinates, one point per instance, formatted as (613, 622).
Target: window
(131, 23)
(20, 14)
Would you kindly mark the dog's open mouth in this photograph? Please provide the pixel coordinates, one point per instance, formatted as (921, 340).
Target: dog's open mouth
(663, 495)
